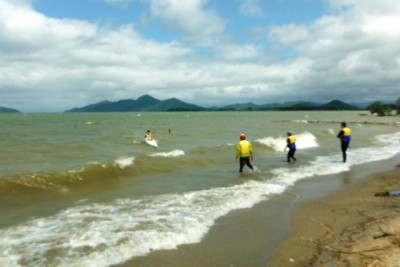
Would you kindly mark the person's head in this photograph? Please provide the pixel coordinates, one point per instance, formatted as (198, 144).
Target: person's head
(242, 137)
(289, 133)
(343, 124)
(148, 131)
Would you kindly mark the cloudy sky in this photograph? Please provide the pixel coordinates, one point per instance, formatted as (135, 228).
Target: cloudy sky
(58, 54)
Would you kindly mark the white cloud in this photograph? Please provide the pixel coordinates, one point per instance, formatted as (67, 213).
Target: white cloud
(356, 49)
(49, 64)
(53, 57)
(25, 33)
(251, 8)
(238, 52)
(373, 7)
(190, 17)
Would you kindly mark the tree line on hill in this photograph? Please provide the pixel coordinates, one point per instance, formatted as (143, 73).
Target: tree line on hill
(8, 110)
(149, 103)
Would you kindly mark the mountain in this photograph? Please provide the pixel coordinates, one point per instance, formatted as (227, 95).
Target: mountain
(146, 101)
(149, 103)
(338, 105)
(245, 106)
(8, 110)
(143, 103)
(304, 104)
(298, 105)
(332, 105)
(174, 104)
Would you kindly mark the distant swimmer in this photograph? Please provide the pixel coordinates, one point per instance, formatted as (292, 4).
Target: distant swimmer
(291, 144)
(345, 138)
(244, 153)
(149, 135)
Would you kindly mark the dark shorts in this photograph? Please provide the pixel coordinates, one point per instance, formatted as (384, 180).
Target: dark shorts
(244, 161)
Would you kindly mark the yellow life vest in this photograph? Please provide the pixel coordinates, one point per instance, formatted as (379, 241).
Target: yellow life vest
(244, 149)
(346, 131)
(346, 134)
(292, 142)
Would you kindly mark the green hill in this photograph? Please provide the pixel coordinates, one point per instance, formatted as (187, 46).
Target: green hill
(149, 103)
(174, 104)
(332, 105)
(8, 110)
(338, 105)
(143, 103)
(245, 106)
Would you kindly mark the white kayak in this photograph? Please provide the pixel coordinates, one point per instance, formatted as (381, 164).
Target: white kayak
(152, 142)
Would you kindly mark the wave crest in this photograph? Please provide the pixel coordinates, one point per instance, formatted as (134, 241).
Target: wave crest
(171, 154)
(304, 140)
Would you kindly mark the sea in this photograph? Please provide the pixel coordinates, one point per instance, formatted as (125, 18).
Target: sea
(84, 189)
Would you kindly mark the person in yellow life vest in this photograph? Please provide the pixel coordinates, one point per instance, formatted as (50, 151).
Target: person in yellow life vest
(291, 144)
(345, 138)
(244, 153)
(149, 135)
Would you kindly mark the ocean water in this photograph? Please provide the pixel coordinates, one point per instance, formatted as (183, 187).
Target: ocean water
(83, 189)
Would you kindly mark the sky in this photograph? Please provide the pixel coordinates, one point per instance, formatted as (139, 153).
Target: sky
(56, 55)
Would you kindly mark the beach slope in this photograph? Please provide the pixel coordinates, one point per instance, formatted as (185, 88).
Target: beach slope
(354, 227)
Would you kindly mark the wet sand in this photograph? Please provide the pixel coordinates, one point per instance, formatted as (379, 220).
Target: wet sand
(304, 218)
(352, 227)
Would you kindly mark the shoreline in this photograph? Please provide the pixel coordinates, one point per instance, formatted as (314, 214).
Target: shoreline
(351, 227)
(254, 237)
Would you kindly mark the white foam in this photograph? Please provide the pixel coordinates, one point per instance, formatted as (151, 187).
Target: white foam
(103, 234)
(386, 147)
(304, 140)
(93, 163)
(137, 141)
(110, 233)
(171, 154)
(330, 131)
(300, 121)
(124, 162)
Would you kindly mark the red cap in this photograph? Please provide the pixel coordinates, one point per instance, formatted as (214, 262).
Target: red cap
(242, 137)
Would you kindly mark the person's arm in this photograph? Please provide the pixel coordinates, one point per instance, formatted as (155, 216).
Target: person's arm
(340, 134)
(237, 151)
(287, 144)
(251, 152)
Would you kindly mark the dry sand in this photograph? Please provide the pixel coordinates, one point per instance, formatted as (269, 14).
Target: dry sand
(350, 228)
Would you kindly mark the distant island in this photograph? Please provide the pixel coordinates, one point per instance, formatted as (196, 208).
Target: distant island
(8, 110)
(143, 103)
(149, 103)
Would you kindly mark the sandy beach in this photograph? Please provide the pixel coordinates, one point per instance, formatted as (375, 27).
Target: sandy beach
(353, 227)
(325, 222)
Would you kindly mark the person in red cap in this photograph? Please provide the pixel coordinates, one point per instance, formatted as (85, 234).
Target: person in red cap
(244, 153)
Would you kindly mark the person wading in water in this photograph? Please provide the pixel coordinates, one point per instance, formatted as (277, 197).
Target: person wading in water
(244, 153)
(291, 144)
(345, 138)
